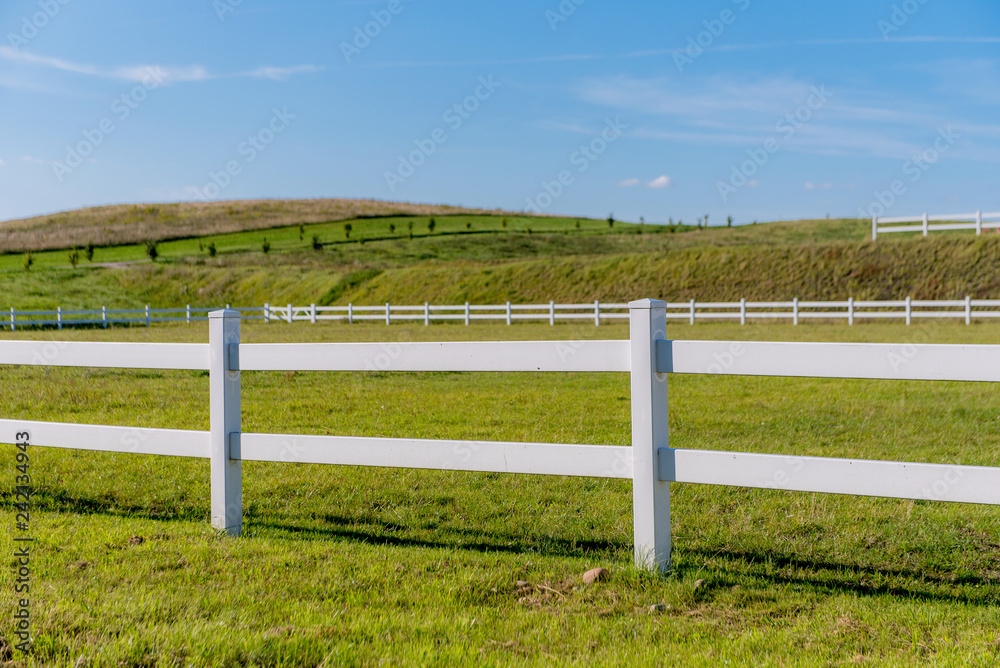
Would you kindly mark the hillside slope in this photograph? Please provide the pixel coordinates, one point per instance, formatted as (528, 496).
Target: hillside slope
(139, 223)
(940, 268)
(935, 268)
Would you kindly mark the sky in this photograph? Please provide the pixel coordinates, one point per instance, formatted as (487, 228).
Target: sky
(654, 110)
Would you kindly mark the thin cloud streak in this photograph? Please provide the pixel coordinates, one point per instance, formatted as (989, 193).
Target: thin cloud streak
(651, 53)
(144, 73)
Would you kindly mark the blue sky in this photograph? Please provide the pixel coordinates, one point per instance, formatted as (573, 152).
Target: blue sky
(655, 109)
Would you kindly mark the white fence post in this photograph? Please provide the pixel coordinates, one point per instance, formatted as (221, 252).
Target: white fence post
(189, 314)
(795, 311)
(388, 316)
(968, 310)
(104, 316)
(466, 313)
(13, 326)
(312, 313)
(552, 313)
(350, 313)
(224, 412)
(427, 314)
(874, 228)
(59, 317)
(850, 310)
(925, 223)
(743, 311)
(147, 315)
(650, 495)
(979, 222)
(289, 314)
(692, 311)
(909, 310)
(508, 312)
(267, 313)
(597, 312)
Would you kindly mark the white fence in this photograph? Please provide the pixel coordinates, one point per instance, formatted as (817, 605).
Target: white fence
(691, 311)
(105, 317)
(977, 221)
(648, 356)
(907, 310)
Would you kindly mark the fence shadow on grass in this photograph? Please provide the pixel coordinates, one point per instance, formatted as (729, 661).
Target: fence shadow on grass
(373, 531)
(106, 503)
(848, 577)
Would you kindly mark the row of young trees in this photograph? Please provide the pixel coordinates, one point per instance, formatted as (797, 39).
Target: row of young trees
(152, 250)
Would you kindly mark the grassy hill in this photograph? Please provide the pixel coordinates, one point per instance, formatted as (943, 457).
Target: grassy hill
(138, 223)
(452, 257)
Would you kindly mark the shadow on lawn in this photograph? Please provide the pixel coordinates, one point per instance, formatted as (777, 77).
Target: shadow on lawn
(106, 503)
(840, 577)
(378, 532)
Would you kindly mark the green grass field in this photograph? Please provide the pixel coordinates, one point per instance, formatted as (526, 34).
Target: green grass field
(354, 566)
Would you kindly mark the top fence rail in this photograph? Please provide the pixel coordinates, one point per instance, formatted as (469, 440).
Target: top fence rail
(691, 311)
(977, 221)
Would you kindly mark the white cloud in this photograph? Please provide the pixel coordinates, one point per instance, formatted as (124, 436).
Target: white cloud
(145, 73)
(661, 181)
(628, 183)
(280, 73)
(1, 163)
(821, 186)
(697, 98)
(744, 112)
(168, 194)
(32, 159)
(659, 53)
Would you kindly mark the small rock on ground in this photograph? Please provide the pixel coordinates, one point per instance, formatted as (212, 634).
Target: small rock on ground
(659, 607)
(522, 583)
(596, 575)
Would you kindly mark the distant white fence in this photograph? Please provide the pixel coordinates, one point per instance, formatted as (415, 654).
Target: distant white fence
(977, 221)
(648, 356)
(105, 317)
(692, 311)
(907, 310)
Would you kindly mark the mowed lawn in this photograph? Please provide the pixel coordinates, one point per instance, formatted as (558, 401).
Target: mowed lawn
(356, 566)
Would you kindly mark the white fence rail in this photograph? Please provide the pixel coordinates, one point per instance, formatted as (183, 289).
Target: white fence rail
(105, 317)
(692, 311)
(648, 356)
(977, 221)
